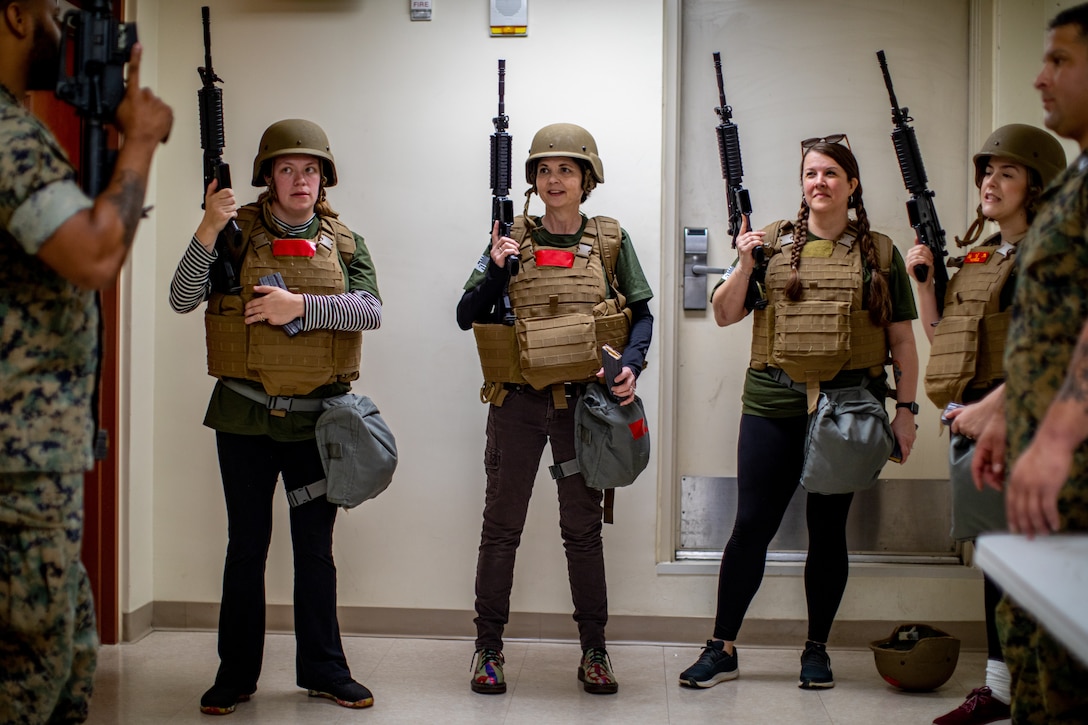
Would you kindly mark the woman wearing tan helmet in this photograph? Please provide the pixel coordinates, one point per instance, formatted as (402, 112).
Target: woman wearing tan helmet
(837, 305)
(967, 335)
(580, 285)
(278, 353)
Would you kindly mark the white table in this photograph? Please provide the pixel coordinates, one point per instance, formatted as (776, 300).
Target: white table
(1048, 577)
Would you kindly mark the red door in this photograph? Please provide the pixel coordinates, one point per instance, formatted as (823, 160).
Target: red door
(100, 495)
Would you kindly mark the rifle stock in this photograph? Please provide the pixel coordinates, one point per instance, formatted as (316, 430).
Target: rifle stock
(921, 210)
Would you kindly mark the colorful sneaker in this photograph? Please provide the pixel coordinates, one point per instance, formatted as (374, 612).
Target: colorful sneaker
(712, 667)
(815, 667)
(345, 694)
(221, 699)
(980, 707)
(595, 672)
(487, 677)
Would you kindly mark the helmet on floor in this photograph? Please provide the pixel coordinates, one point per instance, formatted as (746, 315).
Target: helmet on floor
(916, 657)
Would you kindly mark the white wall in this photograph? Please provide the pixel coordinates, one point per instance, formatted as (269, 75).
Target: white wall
(408, 108)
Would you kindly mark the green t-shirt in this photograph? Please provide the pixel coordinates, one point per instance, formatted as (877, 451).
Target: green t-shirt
(630, 279)
(764, 396)
(229, 412)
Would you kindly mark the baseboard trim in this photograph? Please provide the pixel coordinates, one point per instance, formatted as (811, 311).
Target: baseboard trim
(537, 626)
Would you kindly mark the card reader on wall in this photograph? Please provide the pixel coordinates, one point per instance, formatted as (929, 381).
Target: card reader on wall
(695, 269)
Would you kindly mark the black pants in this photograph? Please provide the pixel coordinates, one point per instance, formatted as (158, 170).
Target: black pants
(516, 435)
(251, 465)
(770, 456)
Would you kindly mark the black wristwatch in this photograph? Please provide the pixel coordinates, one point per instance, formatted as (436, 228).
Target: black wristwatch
(911, 406)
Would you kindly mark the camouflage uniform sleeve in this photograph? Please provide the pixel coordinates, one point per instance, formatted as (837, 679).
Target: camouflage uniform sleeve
(38, 189)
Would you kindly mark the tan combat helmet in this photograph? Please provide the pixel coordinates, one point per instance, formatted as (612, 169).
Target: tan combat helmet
(1033, 147)
(293, 136)
(916, 657)
(564, 139)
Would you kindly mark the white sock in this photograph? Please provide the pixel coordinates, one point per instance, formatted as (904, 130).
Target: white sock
(998, 680)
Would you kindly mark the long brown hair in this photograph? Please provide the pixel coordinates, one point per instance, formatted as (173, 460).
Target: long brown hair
(880, 304)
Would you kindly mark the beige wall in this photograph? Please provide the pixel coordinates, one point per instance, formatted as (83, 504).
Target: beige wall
(408, 108)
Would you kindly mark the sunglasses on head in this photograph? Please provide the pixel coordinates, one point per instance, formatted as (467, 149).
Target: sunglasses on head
(840, 138)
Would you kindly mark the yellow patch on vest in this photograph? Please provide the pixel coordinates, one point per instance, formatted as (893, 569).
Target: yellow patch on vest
(818, 248)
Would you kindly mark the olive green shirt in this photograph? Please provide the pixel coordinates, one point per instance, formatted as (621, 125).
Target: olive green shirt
(764, 396)
(629, 276)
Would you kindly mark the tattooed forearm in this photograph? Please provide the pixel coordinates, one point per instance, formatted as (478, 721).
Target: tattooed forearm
(1075, 387)
(129, 200)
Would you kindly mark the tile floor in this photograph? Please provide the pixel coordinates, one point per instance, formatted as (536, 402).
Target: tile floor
(160, 679)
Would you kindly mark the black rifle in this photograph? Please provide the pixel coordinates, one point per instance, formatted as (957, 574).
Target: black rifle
(212, 140)
(502, 207)
(737, 198)
(920, 209)
(102, 47)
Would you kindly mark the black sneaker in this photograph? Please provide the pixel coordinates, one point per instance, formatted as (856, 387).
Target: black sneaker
(712, 667)
(221, 699)
(345, 694)
(815, 667)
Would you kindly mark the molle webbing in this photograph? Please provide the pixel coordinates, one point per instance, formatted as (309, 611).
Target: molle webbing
(827, 330)
(285, 366)
(969, 342)
(563, 314)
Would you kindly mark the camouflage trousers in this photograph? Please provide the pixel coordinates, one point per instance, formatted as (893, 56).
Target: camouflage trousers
(1049, 685)
(48, 639)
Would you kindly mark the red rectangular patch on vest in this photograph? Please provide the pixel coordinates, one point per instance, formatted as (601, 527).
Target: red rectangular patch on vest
(976, 258)
(293, 248)
(554, 258)
(639, 428)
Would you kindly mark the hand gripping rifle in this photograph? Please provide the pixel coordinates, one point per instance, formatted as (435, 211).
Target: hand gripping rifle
(920, 209)
(737, 198)
(102, 47)
(212, 140)
(502, 206)
(95, 89)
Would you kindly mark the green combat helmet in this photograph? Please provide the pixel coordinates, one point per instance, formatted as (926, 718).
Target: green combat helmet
(293, 136)
(564, 139)
(916, 657)
(1033, 147)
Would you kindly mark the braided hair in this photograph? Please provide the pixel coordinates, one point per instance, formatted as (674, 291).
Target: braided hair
(879, 302)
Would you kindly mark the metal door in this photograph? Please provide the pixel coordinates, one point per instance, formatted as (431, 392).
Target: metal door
(795, 69)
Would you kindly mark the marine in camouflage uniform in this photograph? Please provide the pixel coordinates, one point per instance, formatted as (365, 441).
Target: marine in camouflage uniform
(48, 362)
(1049, 311)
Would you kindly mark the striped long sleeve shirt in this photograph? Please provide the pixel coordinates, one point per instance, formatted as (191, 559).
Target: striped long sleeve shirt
(350, 311)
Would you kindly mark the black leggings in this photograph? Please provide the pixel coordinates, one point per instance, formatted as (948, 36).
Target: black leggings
(769, 459)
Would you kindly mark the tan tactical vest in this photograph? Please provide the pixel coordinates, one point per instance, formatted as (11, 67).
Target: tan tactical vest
(827, 330)
(563, 314)
(969, 342)
(284, 365)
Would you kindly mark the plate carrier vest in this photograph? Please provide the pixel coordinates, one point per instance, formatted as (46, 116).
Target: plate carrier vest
(827, 330)
(563, 314)
(969, 342)
(285, 366)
